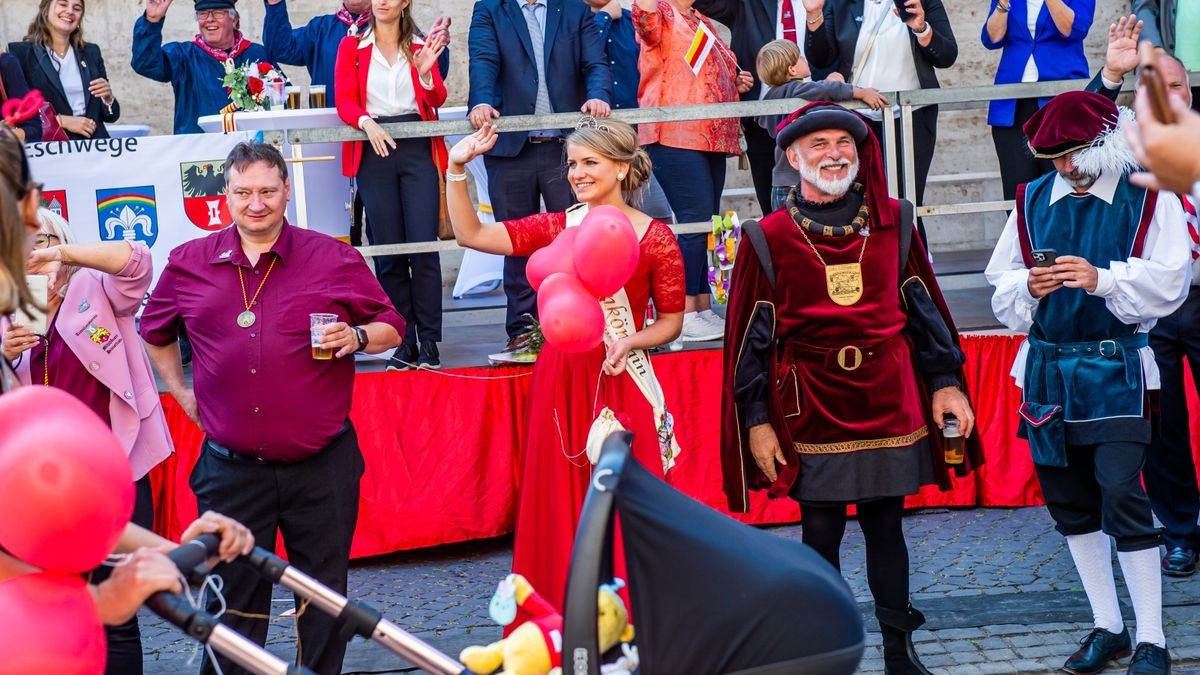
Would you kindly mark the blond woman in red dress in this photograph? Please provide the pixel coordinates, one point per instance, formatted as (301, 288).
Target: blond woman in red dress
(605, 166)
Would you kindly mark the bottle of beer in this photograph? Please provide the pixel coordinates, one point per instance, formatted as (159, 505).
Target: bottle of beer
(953, 443)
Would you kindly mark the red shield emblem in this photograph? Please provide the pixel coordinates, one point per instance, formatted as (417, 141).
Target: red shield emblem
(204, 194)
(56, 201)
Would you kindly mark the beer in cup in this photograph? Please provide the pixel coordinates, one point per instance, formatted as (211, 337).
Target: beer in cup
(317, 324)
(316, 96)
(293, 97)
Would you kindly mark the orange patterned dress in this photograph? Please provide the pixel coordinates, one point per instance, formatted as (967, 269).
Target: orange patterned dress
(667, 79)
(565, 396)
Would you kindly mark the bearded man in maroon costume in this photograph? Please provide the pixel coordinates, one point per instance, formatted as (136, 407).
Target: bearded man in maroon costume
(841, 361)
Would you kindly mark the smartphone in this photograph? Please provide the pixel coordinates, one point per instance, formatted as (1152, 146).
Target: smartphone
(905, 15)
(1044, 257)
(1151, 82)
(39, 288)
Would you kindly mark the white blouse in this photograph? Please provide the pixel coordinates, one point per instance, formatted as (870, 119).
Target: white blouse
(71, 79)
(890, 66)
(390, 89)
(1034, 10)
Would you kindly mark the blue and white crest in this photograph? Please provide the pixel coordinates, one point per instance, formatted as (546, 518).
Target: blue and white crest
(128, 214)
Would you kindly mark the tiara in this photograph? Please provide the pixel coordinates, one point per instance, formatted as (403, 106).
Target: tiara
(589, 122)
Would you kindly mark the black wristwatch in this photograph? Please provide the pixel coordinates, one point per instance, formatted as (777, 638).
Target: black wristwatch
(363, 340)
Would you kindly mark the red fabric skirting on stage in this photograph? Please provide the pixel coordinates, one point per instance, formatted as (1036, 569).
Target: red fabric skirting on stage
(441, 449)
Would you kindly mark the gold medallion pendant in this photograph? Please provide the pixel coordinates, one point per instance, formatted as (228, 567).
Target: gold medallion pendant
(844, 283)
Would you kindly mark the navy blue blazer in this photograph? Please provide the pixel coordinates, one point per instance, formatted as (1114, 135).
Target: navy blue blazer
(1058, 57)
(504, 75)
(41, 74)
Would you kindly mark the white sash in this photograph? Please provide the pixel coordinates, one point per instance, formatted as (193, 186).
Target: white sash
(619, 323)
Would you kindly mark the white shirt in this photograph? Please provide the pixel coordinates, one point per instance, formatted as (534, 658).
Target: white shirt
(71, 79)
(1033, 10)
(1138, 291)
(390, 87)
(890, 66)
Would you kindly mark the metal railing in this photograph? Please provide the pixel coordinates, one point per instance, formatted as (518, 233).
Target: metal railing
(950, 98)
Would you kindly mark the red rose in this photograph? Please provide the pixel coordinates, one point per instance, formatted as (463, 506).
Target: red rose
(228, 90)
(264, 68)
(254, 85)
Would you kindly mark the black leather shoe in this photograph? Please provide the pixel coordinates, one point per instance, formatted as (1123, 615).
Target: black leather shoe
(1179, 562)
(404, 358)
(897, 626)
(1150, 659)
(429, 357)
(1098, 648)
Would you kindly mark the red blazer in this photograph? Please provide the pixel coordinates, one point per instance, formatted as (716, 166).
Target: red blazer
(350, 97)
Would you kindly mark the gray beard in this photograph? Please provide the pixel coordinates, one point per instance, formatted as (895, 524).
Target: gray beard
(833, 188)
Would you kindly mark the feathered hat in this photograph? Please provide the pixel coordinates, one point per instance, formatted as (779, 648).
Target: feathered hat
(1086, 124)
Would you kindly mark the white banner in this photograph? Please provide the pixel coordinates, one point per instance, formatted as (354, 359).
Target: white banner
(161, 190)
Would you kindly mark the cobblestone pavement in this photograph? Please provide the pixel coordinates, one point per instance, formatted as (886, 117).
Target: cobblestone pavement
(997, 586)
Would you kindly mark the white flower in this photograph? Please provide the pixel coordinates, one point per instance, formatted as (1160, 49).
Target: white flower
(229, 66)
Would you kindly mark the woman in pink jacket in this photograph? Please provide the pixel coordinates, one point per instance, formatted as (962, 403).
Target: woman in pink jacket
(91, 349)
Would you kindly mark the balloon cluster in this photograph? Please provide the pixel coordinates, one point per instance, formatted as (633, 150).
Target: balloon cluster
(66, 494)
(581, 265)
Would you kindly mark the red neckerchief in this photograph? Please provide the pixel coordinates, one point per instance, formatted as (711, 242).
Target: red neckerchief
(354, 23)
(240, 44)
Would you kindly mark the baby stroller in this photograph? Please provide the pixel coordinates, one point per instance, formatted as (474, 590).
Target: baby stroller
(708, 594)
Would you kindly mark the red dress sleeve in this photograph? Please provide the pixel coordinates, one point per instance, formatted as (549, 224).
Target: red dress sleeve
(666, 269)
(530, 233)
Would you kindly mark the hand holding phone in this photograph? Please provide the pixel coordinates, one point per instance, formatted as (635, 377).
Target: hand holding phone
(905, 15)
(1044, 257)
(1150, 81)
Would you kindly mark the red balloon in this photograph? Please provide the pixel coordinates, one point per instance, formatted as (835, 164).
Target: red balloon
(559, 256)
(66, 489)
(606, 250)
(50, 626)
(571, 318)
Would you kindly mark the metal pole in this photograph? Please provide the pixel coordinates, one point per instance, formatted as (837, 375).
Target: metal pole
(910, 162)
(889, 152)
(237, 648)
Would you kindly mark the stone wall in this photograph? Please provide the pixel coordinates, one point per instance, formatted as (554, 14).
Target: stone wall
(964, 147)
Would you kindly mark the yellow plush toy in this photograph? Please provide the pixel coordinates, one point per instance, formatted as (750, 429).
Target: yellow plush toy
(535, 647)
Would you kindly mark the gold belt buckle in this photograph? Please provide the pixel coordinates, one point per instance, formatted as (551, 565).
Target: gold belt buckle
(855, 359)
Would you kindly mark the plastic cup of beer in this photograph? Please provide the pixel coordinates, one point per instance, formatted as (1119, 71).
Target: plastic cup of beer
(954, 445)
(316, 96)
(317, 324)
(293, 97)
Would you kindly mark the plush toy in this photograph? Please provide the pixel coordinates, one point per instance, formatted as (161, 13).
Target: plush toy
(535, 647)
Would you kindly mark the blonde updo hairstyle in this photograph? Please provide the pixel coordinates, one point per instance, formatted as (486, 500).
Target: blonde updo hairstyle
(616, 141)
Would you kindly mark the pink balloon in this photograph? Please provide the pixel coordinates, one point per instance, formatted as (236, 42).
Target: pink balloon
(606, 250)
(50, 626)
(571, 318)
(558, 257)
(66, 489)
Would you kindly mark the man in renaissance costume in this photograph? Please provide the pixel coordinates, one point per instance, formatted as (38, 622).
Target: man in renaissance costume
(841, 361)
(1086, 264)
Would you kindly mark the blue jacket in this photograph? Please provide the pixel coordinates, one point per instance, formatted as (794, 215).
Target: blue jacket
(194, 76)
(1057, 57)
(504, 75)
(313, 46)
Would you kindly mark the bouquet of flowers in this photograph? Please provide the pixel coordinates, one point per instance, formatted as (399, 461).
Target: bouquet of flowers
(722, 249)
(249, 86)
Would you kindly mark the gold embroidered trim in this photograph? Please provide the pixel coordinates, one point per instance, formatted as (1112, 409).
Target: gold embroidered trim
(855, 446)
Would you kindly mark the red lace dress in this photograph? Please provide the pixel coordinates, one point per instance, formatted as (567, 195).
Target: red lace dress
(566, 393)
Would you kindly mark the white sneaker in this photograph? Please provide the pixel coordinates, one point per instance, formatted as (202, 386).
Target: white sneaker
(696, 329)
(713, 319)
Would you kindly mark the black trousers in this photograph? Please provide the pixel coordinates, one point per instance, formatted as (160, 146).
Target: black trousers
(1017, 163)
(516, 186)
(314, 503)
(400, 194)
(1101, 489)
(823, 524)
(760, 150)
(125, 640)
(1169, 473)
(924, 140)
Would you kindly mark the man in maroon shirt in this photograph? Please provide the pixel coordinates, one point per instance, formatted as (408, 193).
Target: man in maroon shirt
(280, 453)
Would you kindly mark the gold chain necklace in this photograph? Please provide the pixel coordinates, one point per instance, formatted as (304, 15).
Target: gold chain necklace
(844, 282)
(46, 362)
(247, 318)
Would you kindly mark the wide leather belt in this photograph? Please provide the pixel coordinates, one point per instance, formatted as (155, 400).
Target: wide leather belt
(846, 357)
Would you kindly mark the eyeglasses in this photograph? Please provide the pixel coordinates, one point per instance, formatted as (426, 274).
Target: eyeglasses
(43, 240)
(210, 14)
